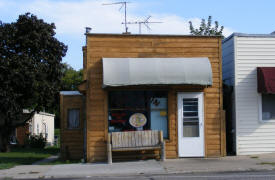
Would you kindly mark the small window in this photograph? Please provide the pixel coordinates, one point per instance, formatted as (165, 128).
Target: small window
(73, 119)
(267, 109)
(30, 128)
(37, 129)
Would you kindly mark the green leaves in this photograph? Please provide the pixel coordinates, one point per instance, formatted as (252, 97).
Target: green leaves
(71, 78)
(30, 67)
(206, 29)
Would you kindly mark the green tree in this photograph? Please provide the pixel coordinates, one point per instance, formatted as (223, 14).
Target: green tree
(30, 71)
(206, 29)
(71, 79)
(69, 82)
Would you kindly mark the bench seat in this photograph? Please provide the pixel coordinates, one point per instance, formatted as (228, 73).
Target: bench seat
(135, 141)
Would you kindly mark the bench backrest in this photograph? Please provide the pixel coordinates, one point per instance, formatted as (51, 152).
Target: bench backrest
(132, 139)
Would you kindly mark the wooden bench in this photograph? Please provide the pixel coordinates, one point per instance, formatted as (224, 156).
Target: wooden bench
(135, 141)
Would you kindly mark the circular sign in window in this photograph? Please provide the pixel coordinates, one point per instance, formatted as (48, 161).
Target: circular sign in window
(138, 120)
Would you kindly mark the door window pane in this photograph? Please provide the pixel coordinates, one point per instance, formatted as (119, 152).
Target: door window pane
(190, 117)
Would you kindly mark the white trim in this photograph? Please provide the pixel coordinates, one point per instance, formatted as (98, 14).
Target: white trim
(179, 111)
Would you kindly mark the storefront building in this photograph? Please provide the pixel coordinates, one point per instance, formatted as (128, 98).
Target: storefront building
(172, 83)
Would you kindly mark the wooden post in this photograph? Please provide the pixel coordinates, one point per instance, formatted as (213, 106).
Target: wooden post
(109, 149)
(162, 143)
(223, 133)
(163, 154)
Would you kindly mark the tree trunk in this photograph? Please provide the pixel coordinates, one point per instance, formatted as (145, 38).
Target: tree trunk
(4, 140)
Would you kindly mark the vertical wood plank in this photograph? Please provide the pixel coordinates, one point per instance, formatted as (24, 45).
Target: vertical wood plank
(144, 140)
(124, 143)
(127, 139)
(118, 140)
(149, 138)
(134, 139)
(139, 139)
(113, 136)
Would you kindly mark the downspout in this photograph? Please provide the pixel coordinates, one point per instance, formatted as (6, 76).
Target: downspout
(88, 29)
(84, 129)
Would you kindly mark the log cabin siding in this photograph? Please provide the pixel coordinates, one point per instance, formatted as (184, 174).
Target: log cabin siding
(142, 46)
(71, 140)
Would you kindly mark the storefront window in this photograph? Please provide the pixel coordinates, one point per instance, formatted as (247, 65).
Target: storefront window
(138, 110)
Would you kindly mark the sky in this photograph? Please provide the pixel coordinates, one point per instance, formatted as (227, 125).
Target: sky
(72, 16)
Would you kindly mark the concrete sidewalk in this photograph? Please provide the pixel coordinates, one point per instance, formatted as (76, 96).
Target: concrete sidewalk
(170, 166)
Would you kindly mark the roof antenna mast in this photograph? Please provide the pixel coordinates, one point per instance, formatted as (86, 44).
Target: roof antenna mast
(123, 4)
(145, 23)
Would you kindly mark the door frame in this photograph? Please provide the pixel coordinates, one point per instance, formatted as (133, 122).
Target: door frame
(179, 116)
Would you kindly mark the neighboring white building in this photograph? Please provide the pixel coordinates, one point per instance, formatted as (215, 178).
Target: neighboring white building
(41, 123)
(253, 111)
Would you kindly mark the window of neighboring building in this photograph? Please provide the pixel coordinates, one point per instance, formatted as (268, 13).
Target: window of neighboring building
(30, 128)
(44, 130)
(267, 109)
(126, 105)
(73, 119)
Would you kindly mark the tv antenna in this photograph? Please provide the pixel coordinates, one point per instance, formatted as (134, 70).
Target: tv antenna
(145, 23)
(123, 4)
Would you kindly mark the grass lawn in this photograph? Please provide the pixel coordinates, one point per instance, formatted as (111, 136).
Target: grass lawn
(25, 156)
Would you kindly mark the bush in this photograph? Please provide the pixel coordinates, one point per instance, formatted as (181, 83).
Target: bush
(36, 141)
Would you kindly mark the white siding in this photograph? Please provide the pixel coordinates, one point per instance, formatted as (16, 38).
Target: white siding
(44, 118)
(253, 135)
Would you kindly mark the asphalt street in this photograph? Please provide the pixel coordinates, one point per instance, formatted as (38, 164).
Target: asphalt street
(267, 175)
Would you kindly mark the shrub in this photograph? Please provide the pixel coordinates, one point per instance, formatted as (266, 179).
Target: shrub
(36, 141)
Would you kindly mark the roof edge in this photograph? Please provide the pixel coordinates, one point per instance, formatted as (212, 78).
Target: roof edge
(157, 35)
(248, 35)
(70, 93)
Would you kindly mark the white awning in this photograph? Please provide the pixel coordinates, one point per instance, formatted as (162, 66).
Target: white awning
(156, 71)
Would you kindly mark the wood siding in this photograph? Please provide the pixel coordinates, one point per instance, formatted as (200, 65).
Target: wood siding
(253, 135)
(142, 46)
(72, 140)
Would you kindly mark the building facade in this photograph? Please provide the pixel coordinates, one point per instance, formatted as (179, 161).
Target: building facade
(248, 67)
(175, 82)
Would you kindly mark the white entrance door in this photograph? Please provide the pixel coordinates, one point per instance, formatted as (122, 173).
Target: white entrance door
(190, 124)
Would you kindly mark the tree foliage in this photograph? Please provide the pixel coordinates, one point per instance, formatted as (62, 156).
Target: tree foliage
(206, 29)
(71, 79)
(69, 82)
(30, 70)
